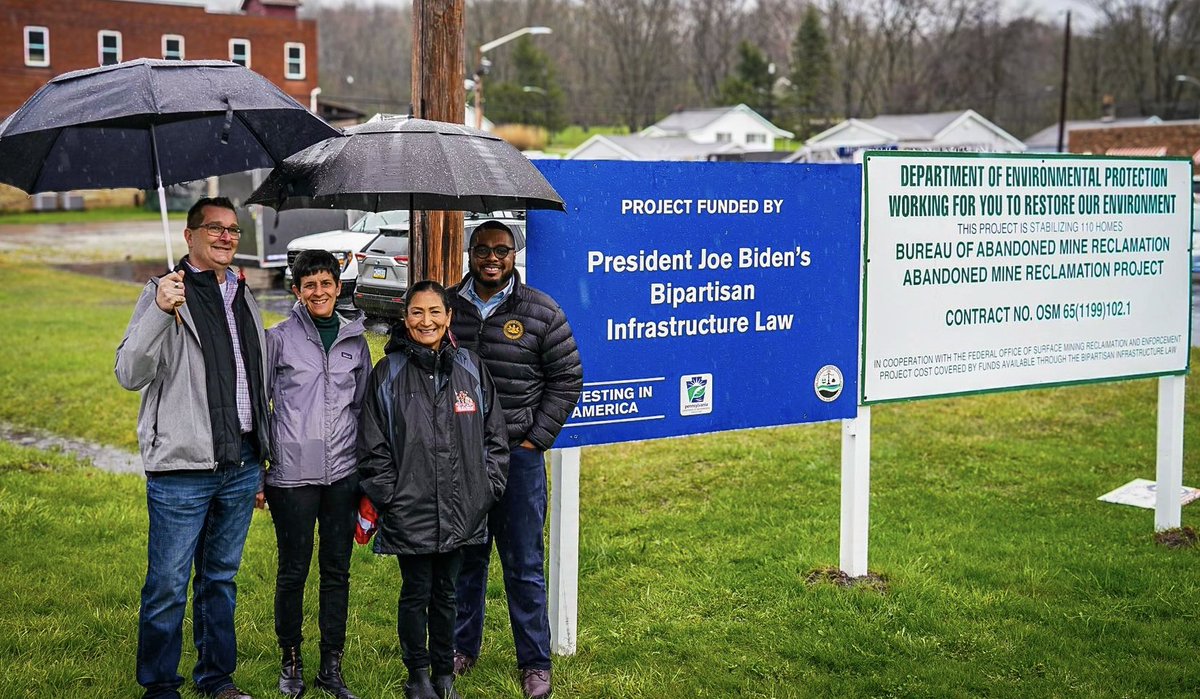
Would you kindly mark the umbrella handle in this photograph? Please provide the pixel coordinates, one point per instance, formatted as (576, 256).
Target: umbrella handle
(228, 122)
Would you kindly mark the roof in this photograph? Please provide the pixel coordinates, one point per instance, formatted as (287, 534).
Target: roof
(661, 148)
(1048, 137)
(688, 120)
(691, 119)
(215, 6)
(912, 129)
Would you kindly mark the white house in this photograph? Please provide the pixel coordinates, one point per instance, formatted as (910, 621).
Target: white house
(639, 147)
(739, 125)
(468, 118)
(1046, 140)
(944, 131)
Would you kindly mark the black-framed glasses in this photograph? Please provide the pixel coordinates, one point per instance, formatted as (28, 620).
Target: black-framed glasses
(214, 230)
(482, 251)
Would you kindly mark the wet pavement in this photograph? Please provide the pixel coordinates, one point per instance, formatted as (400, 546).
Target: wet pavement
(102, 457)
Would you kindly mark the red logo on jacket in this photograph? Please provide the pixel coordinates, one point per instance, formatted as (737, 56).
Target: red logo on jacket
(463, 403)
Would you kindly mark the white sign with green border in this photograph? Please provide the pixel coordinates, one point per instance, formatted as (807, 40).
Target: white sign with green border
(987, 272)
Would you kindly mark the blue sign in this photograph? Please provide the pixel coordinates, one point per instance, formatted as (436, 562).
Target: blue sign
(704, 296)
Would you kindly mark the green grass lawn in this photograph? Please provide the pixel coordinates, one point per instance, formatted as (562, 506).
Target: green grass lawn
(1005, 577)
(121, 213)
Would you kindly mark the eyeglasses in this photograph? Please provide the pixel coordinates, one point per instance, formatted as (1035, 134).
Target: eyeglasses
(215, 230)
(482, 251)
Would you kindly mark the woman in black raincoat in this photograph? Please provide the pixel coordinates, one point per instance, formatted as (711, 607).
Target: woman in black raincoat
(433, 459)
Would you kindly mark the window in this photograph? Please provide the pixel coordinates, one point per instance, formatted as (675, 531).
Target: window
(293, 61)
(110, 47)
(172, 47)
(239, 51)
(37, 47)
(723, 137)
(756, 138)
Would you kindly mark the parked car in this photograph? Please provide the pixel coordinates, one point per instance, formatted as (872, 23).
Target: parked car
(383, 265)
(344, 244)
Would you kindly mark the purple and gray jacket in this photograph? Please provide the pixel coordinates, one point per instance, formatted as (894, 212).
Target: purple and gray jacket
(316, 399)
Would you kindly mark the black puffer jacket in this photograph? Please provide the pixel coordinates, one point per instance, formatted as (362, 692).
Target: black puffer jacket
(530, 351)
(432, 453)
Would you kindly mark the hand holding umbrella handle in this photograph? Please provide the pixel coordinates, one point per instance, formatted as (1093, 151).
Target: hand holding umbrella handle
(171, 293)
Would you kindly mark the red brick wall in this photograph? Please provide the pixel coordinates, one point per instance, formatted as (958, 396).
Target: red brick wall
(1179, 139)
(74, 41)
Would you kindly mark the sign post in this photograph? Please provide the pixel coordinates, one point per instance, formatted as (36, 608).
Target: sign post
(1169, 479)
(564, 549)
(856, 492)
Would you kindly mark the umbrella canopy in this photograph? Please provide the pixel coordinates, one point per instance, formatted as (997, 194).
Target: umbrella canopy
(110, 126)
(406, 163)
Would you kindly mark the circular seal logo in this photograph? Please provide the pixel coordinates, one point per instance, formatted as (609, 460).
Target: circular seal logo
(513, 330)
(828, 383)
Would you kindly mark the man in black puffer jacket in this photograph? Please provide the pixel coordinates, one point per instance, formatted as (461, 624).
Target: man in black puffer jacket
(523, 338)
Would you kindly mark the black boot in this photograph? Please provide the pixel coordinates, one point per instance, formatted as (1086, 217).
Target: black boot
(443, 687)
(291, 677)
(330, 676)
(418, 685)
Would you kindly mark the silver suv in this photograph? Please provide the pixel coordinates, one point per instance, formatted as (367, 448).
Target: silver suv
(383, 265)
(344, 244)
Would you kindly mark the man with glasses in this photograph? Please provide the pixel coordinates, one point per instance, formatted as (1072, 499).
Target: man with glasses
(194, 348)
(523, 337)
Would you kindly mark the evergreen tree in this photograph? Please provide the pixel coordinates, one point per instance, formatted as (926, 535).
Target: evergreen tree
(811, 77)
(752, 81)
(534, 97)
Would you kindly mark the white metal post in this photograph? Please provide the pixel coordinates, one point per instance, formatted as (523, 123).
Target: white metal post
(564, 549)
(1169, 479)
(856, 492)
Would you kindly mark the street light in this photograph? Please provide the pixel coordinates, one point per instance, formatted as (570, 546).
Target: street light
(545, 103)
(1181, 78)
(484, 64)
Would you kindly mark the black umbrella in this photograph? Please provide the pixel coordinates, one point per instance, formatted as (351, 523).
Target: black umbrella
(148, 123)
(406, 163)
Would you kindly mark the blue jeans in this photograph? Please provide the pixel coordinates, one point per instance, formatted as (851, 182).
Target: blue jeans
(200, 518)
(516, 524)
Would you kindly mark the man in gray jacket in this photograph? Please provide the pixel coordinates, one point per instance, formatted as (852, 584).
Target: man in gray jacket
(194, 349)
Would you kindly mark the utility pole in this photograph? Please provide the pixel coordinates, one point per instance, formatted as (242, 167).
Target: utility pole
(1062, 96)
(435, 237)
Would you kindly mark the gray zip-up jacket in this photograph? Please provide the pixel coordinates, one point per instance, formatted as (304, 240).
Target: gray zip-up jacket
(161, 358)
(316, 397)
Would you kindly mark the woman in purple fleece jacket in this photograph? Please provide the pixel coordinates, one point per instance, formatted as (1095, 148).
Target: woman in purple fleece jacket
(317, 371)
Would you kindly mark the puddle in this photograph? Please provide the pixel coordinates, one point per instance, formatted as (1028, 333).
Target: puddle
(102, 457)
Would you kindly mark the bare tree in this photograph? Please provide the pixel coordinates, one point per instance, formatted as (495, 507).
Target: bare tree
(642, 37)
(714, 31)
(365, 55)
(631, 61)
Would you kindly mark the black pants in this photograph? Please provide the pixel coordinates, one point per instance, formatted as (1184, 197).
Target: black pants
(294, 512)
(427, 602)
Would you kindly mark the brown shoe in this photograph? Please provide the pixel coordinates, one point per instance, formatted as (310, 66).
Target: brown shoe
(535, 683)
(463, 664)
(230, 692)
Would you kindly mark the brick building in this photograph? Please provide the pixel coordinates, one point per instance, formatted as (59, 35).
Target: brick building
(45, 38)
(1169, 138)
